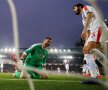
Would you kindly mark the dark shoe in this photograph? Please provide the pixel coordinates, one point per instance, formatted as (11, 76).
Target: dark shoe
(91, 81)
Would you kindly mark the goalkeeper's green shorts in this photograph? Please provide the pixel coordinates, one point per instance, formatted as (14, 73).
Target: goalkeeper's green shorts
(33, 74)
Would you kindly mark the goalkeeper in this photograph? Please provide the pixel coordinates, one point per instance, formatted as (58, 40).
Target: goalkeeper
(35, 57)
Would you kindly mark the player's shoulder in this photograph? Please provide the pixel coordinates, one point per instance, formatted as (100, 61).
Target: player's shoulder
(37, 44)
(87, 7)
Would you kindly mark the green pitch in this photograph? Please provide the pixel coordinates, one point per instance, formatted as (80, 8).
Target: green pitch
(54, 82)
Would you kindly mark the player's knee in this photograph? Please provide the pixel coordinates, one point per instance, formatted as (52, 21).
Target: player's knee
(86, 50)
(22, 76)
(92, 44)
(45, 76)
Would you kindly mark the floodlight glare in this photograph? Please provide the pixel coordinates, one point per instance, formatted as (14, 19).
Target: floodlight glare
(55, 50)
(6, 50)
(69, 50)
(51, 50)
(9, 49)
(64, 50)
(60, 50)
(1, 49)
(13, 50)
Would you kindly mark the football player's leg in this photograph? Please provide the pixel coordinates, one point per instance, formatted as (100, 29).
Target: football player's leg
(91, 43)
(42, 72)
(24, 74)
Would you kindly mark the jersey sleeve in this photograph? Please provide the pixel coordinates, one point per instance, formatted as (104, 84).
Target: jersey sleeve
(87, 9)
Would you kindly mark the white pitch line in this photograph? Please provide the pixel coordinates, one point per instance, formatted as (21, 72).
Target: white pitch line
(41, 80)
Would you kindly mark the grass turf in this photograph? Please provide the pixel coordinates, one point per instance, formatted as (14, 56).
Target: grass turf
(54, 82)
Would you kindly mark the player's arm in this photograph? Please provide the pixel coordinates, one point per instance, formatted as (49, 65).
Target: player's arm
(23, 55)
(26, 52)
(89, 16)
(88, 12)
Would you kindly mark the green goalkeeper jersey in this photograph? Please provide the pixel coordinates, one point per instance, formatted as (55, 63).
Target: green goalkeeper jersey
(36, 55)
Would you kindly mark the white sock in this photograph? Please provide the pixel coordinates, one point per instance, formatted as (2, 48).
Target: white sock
(98, 73)
(91, 65)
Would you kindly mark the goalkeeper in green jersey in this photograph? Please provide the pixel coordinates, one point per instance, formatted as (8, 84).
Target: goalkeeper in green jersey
(35, 57)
